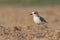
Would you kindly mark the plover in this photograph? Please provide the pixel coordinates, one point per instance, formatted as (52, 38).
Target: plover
(38, 19)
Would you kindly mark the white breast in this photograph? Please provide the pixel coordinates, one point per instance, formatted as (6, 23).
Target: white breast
(36, 20)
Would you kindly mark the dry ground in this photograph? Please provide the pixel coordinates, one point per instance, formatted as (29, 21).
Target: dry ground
(17, 24)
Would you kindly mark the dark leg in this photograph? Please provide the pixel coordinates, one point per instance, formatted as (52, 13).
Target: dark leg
(38, 32)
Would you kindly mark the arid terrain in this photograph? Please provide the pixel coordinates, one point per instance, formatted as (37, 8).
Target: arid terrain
(16, 23)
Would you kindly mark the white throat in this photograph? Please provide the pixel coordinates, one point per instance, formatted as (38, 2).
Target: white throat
(34, 15)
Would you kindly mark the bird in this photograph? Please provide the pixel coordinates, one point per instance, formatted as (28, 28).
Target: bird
(39, 19)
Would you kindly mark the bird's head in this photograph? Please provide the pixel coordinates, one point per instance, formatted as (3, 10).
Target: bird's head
(34, 13)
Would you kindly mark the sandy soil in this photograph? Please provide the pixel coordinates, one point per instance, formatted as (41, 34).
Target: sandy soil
(16, 23)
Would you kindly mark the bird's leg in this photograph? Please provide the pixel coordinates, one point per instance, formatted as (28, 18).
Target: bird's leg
(47, 29)
(38, 28)
(38, 31)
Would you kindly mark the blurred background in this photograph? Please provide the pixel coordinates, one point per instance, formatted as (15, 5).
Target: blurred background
(16, 12)
(15, 16)
(30, 2)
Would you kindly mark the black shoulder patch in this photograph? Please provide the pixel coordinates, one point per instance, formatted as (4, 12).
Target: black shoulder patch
(42, 19)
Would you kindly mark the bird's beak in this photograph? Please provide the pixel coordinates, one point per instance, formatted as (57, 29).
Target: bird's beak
(30, 14)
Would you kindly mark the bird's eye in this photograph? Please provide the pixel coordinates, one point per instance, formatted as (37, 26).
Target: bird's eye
(35, 13)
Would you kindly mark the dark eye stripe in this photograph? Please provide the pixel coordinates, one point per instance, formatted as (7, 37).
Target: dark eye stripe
(35, 13)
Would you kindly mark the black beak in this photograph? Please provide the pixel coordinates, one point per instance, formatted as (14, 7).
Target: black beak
(30, 14)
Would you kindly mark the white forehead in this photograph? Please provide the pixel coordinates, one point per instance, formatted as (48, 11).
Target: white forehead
(33, 12)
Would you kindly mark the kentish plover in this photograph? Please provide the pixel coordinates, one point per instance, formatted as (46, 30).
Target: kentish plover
(38, 19)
